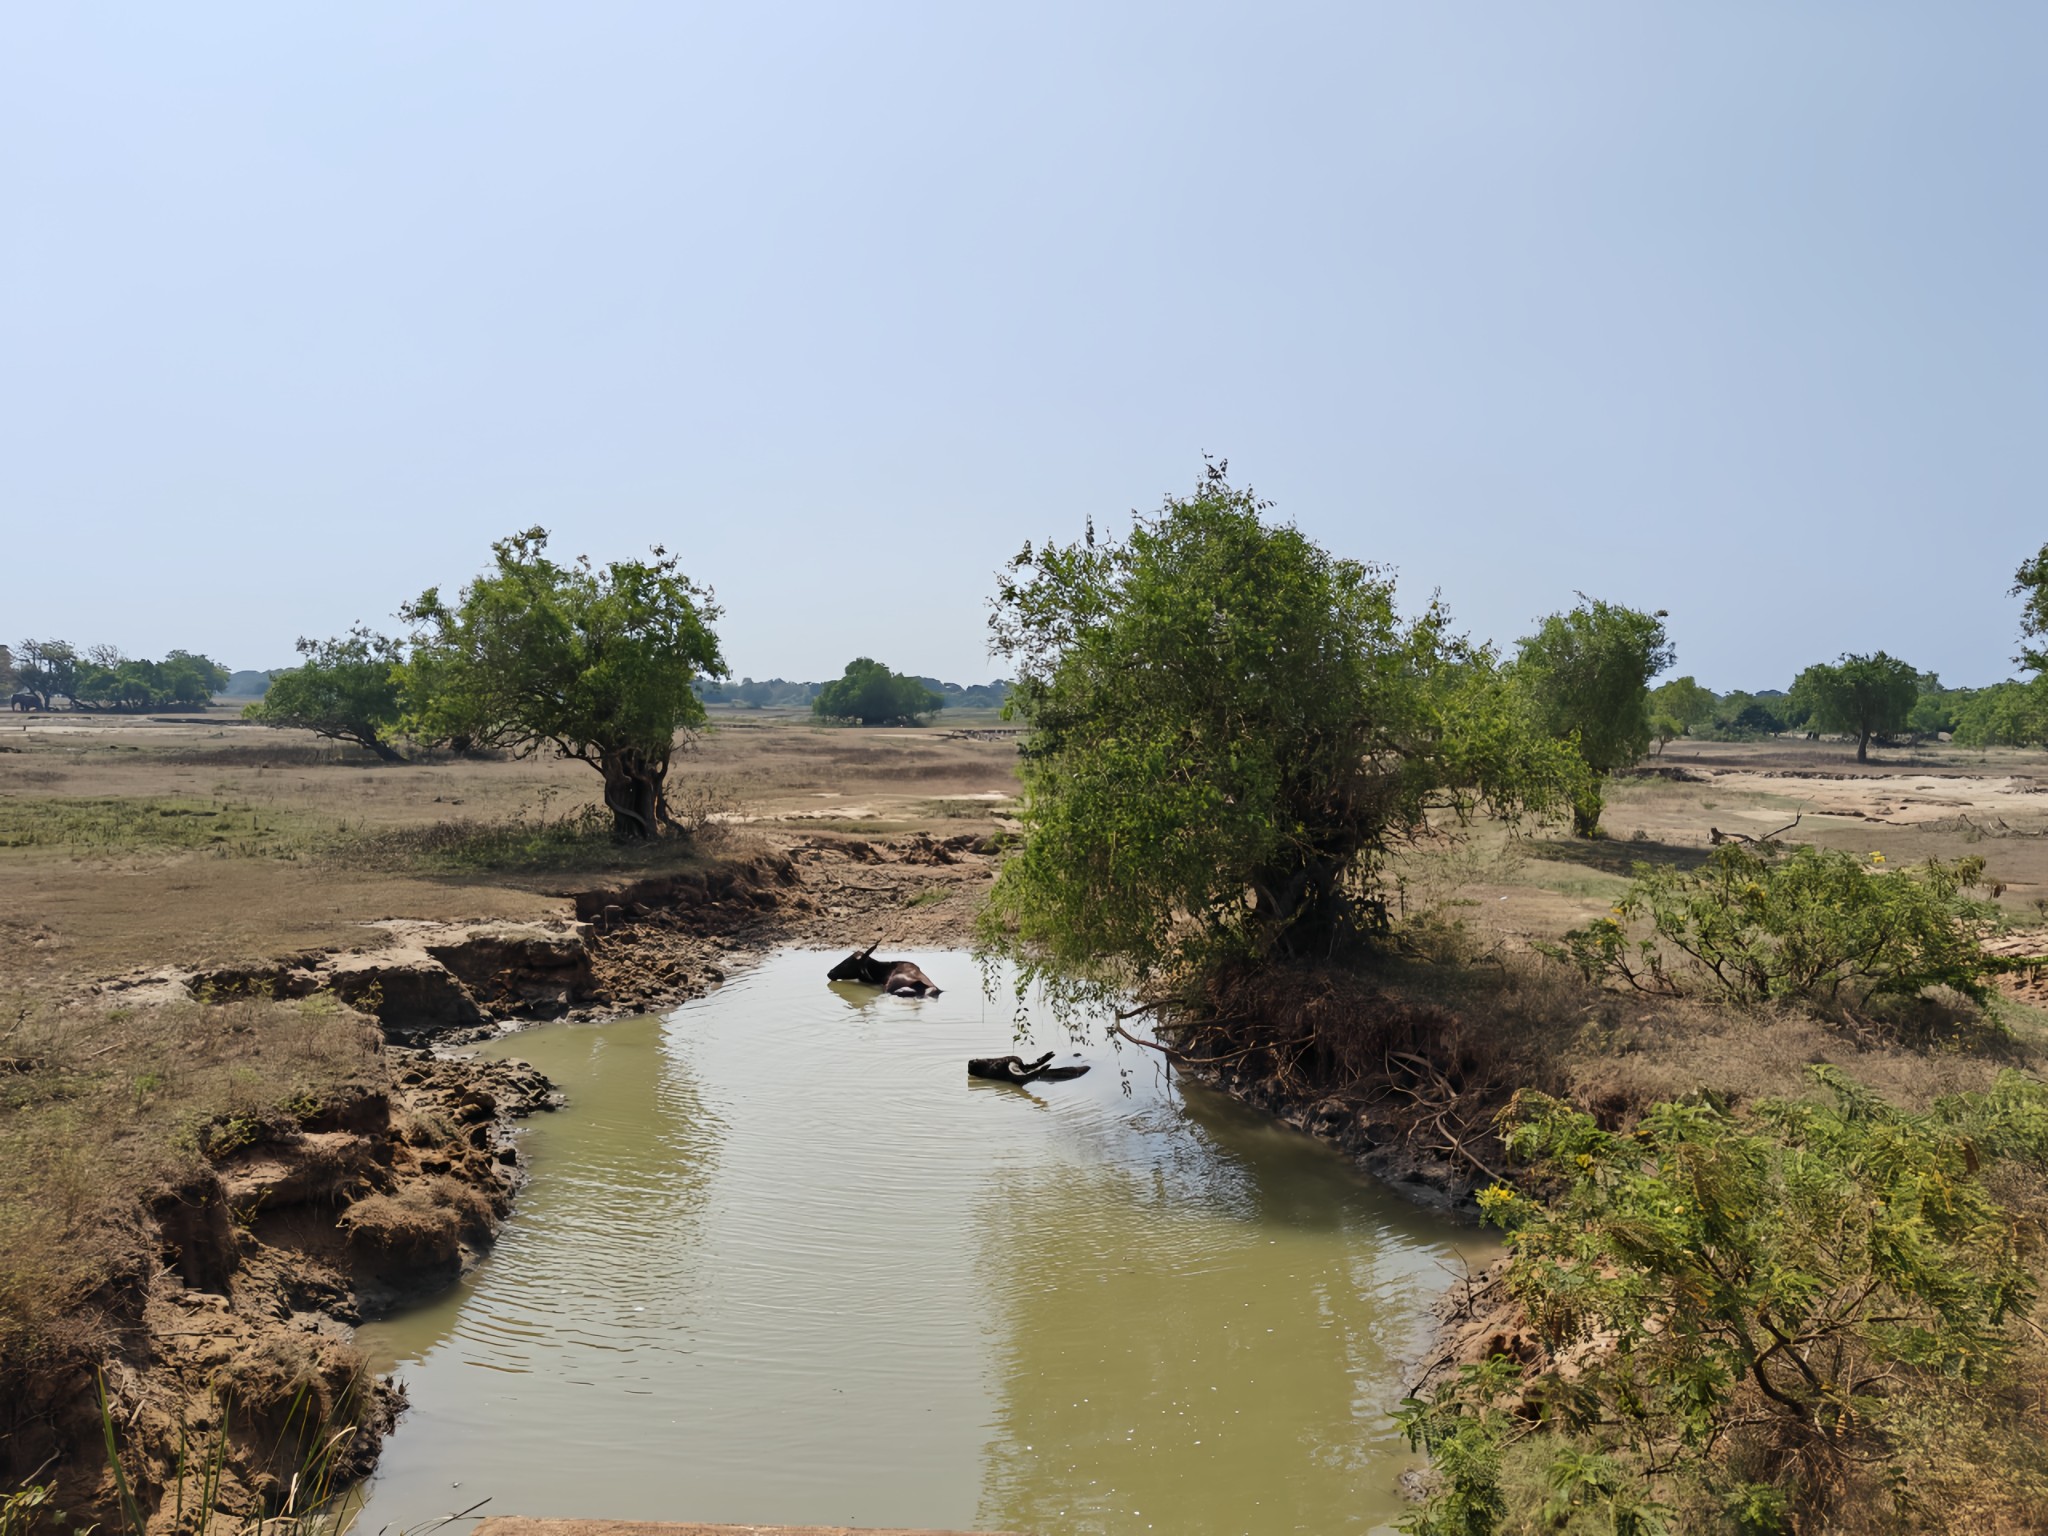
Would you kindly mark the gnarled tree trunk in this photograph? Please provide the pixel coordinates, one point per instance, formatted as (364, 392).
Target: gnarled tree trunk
(633, 793)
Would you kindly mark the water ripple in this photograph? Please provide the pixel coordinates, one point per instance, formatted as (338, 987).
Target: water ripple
(781, 1261)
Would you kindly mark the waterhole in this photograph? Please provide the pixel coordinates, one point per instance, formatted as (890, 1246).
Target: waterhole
(781, 1261)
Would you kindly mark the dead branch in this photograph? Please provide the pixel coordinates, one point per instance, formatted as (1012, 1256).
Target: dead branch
(1116, 1027)
(1717, 836)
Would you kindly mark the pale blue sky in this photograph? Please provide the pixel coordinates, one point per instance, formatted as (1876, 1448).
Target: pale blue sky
(1735, 310)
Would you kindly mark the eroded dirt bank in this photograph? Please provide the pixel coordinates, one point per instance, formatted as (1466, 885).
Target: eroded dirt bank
(224, 1347)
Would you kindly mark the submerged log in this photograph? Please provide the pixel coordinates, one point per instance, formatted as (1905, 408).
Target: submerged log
(1014, 1069)
(898, 977)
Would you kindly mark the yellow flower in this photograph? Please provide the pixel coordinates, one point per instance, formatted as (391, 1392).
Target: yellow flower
(1877, 858)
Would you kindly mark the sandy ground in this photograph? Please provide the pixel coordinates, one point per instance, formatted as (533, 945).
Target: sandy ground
(73, 909)
(1932, 802)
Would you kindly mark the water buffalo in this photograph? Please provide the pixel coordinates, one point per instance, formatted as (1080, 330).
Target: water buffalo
(897, 977)
(1014, 1069)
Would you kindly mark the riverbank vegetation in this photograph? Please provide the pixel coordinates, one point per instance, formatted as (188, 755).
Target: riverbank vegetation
(1742, 1300)
(1230, 733)
(1413, 893)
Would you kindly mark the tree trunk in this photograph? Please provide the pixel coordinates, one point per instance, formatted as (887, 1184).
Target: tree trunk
(1309, 912)
(632, 793)
(1863, 747)
(1586, 811)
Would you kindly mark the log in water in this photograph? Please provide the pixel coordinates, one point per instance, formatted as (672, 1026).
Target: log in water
(779, 1261)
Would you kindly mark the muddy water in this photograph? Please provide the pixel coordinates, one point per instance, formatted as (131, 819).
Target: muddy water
(781, 1261)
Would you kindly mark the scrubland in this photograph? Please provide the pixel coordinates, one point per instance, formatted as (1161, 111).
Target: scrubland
(133, 847)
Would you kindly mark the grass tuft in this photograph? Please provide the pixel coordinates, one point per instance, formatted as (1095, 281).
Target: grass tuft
(154, 824)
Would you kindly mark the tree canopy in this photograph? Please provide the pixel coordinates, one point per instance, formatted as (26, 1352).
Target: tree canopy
(2030, 581)
(872, 694)
(1685, 701)
(105, 679)
(2007, 714)
(346, 690)
(100, 677)
(1587, 673)
(1228, 730)
(1860, 696)
(594, 662)
(46, 668)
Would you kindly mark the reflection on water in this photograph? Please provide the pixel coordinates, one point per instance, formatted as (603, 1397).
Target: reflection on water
(782, 1261)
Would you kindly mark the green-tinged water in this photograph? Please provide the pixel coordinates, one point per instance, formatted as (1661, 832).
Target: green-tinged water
(781, 1261)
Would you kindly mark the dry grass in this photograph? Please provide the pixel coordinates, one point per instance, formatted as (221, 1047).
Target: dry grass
(106, 1105)
(306, 842)
(419, 1228)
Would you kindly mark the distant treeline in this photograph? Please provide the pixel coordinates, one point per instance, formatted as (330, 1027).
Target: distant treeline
(779, 693)
(59, 674)
(44, 673)
(1901, 702)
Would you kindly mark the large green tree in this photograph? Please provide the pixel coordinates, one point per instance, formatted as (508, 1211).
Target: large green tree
(347, 689)
(47, 668)
(104, 679)
(1229, 729)
(1685, 701)
(1860, 696)
(2030, 581)
(870, 693)
(2009, 714)
(594, 662)
(1587, 674)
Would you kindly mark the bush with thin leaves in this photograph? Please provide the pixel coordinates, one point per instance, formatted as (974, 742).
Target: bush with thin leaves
(1735, 1307)
(1230, 731)
(1815, 926)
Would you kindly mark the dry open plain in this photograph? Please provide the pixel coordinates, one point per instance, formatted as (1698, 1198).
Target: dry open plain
(136, 841)
(142, 859)
(139, 841)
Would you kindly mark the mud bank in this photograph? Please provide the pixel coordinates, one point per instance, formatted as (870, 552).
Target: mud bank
(1389, 1145)
(226, 1352)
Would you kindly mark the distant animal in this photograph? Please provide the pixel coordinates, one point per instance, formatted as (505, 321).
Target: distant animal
(25, 701)
(898, 977)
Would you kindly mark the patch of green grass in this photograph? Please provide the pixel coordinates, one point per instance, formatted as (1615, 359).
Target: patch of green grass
(153, 824)
(929, 896)
(1583, 887)
(579, 842)
(961, 810)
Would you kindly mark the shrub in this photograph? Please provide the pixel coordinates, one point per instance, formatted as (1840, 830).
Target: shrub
(1230, 732)
(1815, 926)
(1738, 1310)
